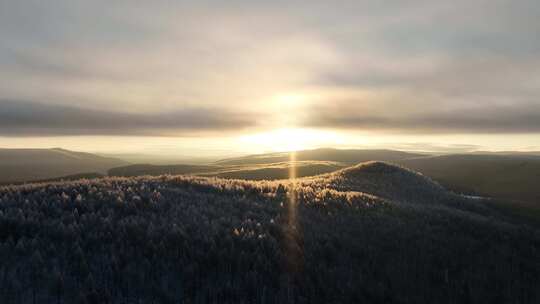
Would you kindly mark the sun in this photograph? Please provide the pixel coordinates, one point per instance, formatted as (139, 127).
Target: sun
(291, 139)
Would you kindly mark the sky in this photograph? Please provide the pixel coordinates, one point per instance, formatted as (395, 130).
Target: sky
(209, 78)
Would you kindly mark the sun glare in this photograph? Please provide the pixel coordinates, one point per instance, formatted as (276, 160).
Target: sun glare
(290, 99)
(291, 139)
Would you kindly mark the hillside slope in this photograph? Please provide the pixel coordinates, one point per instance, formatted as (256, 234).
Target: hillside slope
(146, 169)
(270, 166)
(364, 234)
(350, 156)
(267, 171)
(511, 180)
(19, 165)
(280, 170)
(510, 177)
(388, 181)
(506, 177)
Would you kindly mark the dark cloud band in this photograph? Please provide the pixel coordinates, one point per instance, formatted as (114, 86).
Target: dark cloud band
(477, 120)
(23, 118)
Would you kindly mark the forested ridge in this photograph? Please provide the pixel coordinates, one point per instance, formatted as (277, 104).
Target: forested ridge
(374, 233)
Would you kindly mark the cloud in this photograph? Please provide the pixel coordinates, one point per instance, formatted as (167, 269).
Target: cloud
(496, 119)
(166, 55)
(23, 118)
(411, 66)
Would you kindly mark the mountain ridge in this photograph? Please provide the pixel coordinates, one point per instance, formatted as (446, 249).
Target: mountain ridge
(24, 165)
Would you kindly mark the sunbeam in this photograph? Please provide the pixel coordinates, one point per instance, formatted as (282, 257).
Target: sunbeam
(292, 193)
(293, 247)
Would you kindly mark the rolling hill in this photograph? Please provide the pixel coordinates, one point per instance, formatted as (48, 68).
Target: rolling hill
(147, 169)
(22, 165)
(387, 181)
(503, 176)
(509, 179)
(349, 157)
(375, 233)
(275, 171)
(270, 166)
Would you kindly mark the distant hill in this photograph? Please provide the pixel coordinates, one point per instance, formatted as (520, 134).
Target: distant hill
(526, 154)
(146, 169)
(20, 165)
(270, 166)
(278, 170)
(502, 176)
(72, 177)
(511, 180)
(507, 178)
(349, 157)
(267, 171)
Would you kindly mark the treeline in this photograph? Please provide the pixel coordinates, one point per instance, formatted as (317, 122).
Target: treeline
(205, 240)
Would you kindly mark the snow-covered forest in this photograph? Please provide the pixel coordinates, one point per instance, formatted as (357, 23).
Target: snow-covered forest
(370, 234)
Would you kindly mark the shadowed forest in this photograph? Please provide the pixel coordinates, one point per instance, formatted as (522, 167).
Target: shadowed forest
(372, 233)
